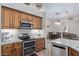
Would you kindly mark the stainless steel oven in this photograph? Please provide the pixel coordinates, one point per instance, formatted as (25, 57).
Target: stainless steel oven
(28, 44)
(29, 47)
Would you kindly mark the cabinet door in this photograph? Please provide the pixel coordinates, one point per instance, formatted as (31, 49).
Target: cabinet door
(23, 16)
(39, 23)
(34, 22)
(40, 44)
(29, 18)
(16, 19)
(18, 49)
(6, 15)
(7, 50)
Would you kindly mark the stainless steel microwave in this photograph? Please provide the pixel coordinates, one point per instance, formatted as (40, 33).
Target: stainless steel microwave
(25, 24)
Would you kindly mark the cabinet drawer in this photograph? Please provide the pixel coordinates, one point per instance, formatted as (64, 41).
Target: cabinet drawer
(18, 44)
(40, 46)
(40, 40)
(6, 46)
(39, 43)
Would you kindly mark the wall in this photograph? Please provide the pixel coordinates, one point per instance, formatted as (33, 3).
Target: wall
(73, 25)
(50, 26)
(0, 22)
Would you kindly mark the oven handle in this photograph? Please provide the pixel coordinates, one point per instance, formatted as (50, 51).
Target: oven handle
(59, 46)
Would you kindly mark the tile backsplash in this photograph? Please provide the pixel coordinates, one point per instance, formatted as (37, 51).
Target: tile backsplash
(13, 33)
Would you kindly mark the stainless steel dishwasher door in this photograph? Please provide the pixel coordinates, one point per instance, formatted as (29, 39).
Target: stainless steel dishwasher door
(58, 50)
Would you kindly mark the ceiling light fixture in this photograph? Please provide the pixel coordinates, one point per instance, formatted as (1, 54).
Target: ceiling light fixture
(38, 5)
(27, 3)
(57, 23)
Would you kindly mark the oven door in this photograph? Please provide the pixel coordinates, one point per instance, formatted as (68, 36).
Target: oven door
(29, 44)
(29, 47)
(29, 50)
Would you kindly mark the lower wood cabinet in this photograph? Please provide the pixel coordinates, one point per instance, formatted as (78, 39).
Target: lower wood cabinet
(14, 49)
(72, 52)
(40, 44)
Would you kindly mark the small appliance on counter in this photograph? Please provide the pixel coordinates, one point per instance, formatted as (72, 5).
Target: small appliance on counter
(5, 36)
(26, 25)
(28, 44)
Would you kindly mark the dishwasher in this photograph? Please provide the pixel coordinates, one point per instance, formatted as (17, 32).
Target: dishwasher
(59, 50)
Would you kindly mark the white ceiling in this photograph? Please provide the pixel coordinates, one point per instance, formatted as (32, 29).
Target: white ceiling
(64, 9)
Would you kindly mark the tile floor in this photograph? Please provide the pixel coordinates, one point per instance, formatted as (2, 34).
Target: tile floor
(45, 52)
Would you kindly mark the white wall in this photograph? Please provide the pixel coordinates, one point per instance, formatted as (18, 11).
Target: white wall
(52, 27)
(73, 25)
(0, 23)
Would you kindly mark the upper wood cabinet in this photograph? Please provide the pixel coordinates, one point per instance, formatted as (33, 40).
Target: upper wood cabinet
(30, 18)
(37, 22)
(6, 15)
(11, 18)
(23, 16)
(16, 19)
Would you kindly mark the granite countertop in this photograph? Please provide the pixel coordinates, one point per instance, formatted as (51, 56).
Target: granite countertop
(10, 41)
(69, 43)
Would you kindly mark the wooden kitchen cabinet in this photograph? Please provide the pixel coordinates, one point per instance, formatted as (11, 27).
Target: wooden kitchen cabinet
(40, 44)
(29, 18)
(34, 23)
(23, 16)
(16, 19)
(7, 50)
(37, 22)
(18, 49)
(11, 19)
(14, 49)
(72, 52)
(26, 16)
(6, 15)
